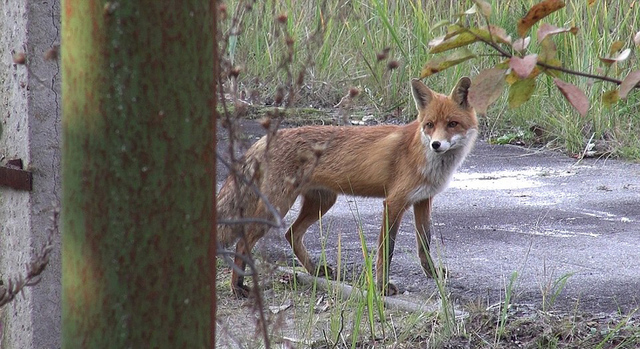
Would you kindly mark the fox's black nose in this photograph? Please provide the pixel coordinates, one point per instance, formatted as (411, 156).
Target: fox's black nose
(435, 145)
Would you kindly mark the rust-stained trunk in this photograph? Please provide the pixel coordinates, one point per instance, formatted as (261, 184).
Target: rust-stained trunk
(138, 168)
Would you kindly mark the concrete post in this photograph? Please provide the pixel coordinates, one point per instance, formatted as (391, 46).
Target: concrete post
(30, 129)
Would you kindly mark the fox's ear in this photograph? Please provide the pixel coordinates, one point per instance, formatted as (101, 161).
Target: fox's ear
(461, 92)
(422, 95)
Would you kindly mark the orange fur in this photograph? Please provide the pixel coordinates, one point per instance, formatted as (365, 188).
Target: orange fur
(406, 165)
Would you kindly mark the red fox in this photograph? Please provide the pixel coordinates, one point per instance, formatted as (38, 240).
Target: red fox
(406, 165)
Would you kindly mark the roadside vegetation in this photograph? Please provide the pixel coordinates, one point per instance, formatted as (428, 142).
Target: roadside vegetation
(337, 62)
(377, 46)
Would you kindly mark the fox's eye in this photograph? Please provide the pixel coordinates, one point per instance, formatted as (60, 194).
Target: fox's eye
(452, 124)
(429, 124)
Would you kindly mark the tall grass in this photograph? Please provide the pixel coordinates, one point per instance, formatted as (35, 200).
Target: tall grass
(344, 40)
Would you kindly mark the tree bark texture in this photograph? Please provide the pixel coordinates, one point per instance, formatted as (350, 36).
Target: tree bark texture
(138, 173)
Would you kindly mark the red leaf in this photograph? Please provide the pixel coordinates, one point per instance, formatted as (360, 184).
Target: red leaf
(629, 83)
(536, 13)
(486, 88)
(521, 44)
(574, 95)
(523, 66)
(548, 29)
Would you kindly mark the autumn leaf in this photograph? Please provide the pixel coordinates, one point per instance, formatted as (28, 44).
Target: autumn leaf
(494, 32)
(523, 66)
(629, 83)
(484, 7)
(472, 10)
(610, 98)
(444, 44)
(548, 29)
(485, 88)
(574, 96)
(521, 44)
(621, 57)
(444, 62)
(591, 2)
(615, 47)
(520, 92)
(538, 12)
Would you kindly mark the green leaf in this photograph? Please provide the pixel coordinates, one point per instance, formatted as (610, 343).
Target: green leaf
(447, 61)
(520, 92)
(459, 40)
(459, 37)
(610, 98)
(440, 23)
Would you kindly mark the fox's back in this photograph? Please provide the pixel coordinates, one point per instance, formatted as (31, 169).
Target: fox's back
(351, 160)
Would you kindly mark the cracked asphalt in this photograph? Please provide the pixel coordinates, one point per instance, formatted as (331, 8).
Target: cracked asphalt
(558, 230)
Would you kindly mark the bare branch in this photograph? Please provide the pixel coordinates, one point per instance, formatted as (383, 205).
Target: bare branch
(37, 265)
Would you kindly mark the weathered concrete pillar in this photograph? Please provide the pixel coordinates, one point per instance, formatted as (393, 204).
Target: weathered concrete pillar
(30, 129)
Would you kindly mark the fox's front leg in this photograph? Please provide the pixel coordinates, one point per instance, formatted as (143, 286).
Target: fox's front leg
(422, 213)
(392, 216)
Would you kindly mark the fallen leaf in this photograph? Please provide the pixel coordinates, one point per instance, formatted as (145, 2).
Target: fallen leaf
(574, 95)
(277, 309)
(536, 13)
(485, 88)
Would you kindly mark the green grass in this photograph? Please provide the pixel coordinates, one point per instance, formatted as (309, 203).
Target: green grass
(336, 46)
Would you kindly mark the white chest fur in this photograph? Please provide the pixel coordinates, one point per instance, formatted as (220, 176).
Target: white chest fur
(440, 167)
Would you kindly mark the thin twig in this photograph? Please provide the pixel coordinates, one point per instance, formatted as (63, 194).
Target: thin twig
(34, 268)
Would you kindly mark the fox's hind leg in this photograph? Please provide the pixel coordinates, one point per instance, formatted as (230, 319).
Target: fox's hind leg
(315, 203)
(243, 255)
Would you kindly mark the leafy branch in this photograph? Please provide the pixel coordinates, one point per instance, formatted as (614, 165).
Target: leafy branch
(518, 70)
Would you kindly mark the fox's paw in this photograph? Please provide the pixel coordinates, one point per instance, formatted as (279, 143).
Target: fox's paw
(389, 290)
(241, 291)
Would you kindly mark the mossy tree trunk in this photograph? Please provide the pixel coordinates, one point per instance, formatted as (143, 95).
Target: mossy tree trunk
(138, 173)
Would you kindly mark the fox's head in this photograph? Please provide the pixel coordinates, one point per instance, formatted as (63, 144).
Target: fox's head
(446, 122)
